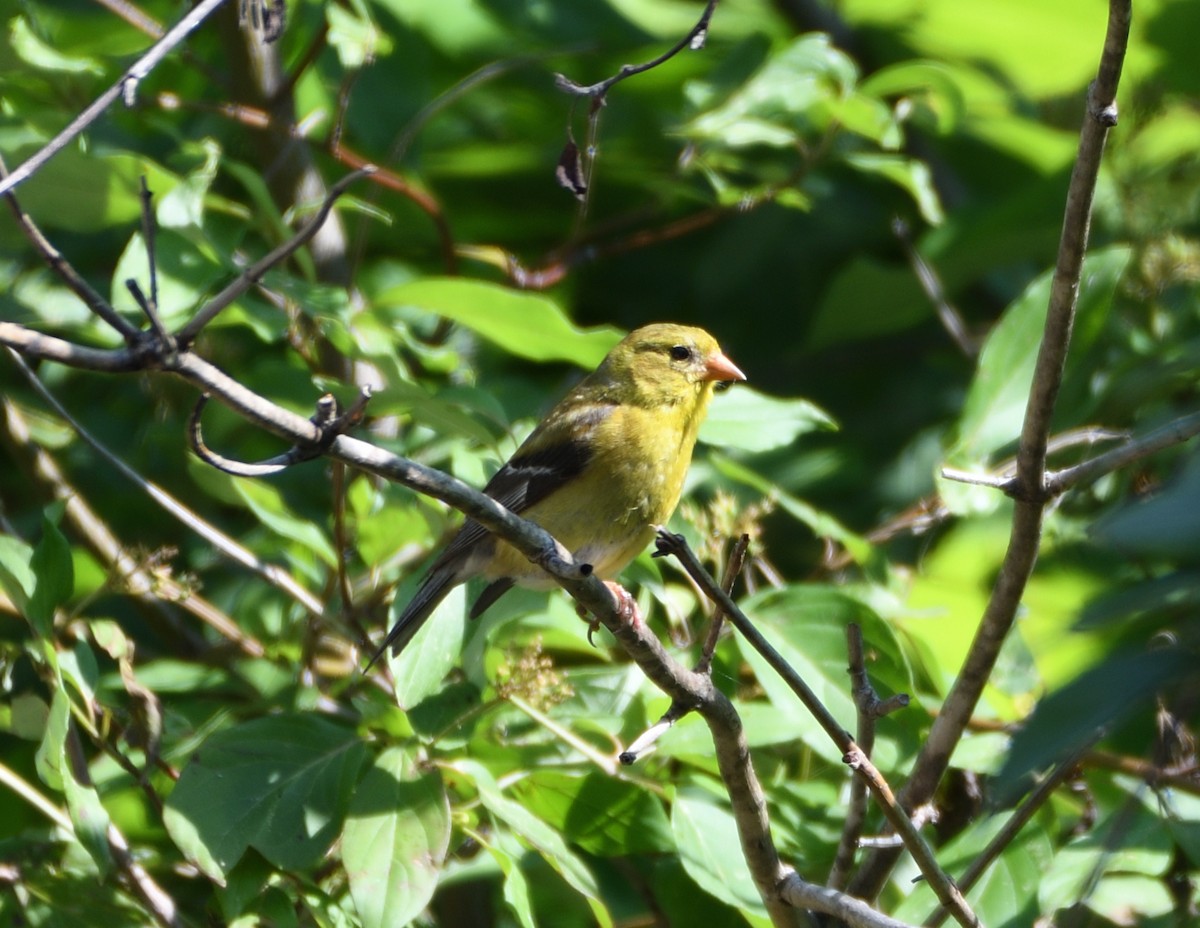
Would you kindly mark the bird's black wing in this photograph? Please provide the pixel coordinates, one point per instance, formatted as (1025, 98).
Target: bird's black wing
(530, 476)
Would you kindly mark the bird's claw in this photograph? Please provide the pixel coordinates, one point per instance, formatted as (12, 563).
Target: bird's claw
(627, 609)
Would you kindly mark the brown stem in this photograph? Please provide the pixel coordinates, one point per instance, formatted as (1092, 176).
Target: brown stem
(1030, 495)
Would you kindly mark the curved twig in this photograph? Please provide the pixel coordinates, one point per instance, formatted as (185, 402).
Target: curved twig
(327, 419)
(694, 40)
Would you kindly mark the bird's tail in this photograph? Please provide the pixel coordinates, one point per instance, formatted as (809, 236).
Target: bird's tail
(431, 592)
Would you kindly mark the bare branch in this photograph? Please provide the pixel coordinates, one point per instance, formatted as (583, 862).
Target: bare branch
(253, 274)
(733, 567)
(847, 909)
(125, 87)
(73, 279)
(1175, 432)
(1029, 492)
(694, 40)
(677, 710)
(870, 707)
(50, 348)
(273, 574)
(852, 753)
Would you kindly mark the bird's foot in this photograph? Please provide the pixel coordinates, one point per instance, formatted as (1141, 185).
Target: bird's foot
(627, 609)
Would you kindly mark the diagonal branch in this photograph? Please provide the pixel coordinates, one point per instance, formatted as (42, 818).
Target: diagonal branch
(853, 755)
(253, 274)
(125, 87)
(1029, 492)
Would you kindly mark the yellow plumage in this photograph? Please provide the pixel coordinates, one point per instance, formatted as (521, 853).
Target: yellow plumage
(604, 466)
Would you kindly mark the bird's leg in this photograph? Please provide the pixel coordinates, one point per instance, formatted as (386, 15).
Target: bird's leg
(627, 609)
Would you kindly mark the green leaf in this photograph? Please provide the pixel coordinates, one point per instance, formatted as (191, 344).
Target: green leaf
(434, 651)
(541, 837)
(16, 575)
(184, 273)
(1094, 705)
(516, 887)
(267, 503)
(1164, 525)
(524, 324)
(84, 192)
(395, 840)
(707, 837)
(995, 406)
(932, 82)
(1129, 841)
(54, 766)
(910, 175)
(744, 419)
(1005, 894)
(794, 92)
(604, 816)
(279, 784)
(54, 572)
(37, 54)
(807, 626)
(357, 40)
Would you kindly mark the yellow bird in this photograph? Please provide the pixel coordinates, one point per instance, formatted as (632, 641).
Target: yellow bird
(604, 467)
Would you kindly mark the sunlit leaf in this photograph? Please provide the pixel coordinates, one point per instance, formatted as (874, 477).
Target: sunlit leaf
(995, 406)
(527, 325)
(741, 418)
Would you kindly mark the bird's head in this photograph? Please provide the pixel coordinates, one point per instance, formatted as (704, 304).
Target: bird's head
(667, 363)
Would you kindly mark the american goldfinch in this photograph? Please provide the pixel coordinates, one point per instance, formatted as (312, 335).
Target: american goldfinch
(604, 467)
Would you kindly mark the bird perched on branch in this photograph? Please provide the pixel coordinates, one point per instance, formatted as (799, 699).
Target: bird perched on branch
(604, 467)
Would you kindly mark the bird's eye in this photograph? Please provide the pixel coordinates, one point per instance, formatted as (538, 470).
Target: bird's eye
(681, 353)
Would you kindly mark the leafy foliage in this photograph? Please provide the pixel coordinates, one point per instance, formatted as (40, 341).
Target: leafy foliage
(163, 693)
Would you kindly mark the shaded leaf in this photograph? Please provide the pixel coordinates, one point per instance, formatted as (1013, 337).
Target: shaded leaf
(279, 784)
(544, 839)
(395, 840)
(602, 815)
(1093, 705)
(710, 849)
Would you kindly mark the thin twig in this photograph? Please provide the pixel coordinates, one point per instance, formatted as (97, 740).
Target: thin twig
(677, 710)
(870, 707)
(149, 229)
(931, 284)
(125, 87)
(852, 753)
(1030, 493)
(253, 274)
(53, 259)
(693, 40)
(220, 541)
(1173, 433)
(1034, 801)
(733, 567)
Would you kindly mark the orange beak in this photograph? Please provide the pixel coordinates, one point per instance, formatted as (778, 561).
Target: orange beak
(718, 367)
